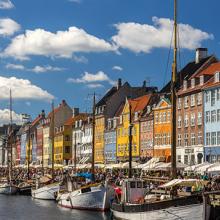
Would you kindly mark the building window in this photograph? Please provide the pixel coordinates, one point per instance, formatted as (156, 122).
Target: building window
(193, 139)
(207, 97)
(67, 149)
(213, 116)
(156, 118)
(192, 100)
(218, 137)
(179, 121)
(218, 94)
(207, 117)
(186, 139)
(212, 97)
(208, 138)
(213, 138)
(184, 84)
(200, 140)
(168, 138)
(199, 118)
(186, 102)
(201, 80)
(217, 77)
(168, 116)
(179, 158)
(67, 138)
(218, 115)
(193, 82)
(193, 118)
(179, 103)
(199, 98)
(186, 121)
(213, 158)
(186, 159)
(179, 140)
(164, 117)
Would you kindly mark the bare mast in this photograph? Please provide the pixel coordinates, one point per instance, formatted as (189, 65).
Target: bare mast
(173, 96)
(93, 139)
(52, 139)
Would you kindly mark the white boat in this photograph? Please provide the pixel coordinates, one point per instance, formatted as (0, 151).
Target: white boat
(94, 197)
(8, 189)
(47, 192)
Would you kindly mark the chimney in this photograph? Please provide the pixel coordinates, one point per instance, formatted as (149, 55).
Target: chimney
(43, 114)
(63, 102)
(119, 84)
(144, 83)
(75, 112)
(201, 53)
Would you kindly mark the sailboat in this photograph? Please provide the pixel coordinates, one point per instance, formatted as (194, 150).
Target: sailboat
(8, 187)
(95, 196)
(135, 202)
(46, 188)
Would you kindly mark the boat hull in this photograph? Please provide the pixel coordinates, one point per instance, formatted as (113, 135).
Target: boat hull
(8, 190)
(47, 192)
(142, 211)
(25, 191)
(97, 200)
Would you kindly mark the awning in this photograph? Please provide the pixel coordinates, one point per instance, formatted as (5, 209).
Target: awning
(183, 182)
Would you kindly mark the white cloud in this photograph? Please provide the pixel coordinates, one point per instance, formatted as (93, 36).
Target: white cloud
(90, 78)
(95, 85)
(22, 89)
(8, 26)
(36, 69)
(76, 1)
(80, 59)
(118, 68)
(5, 117)
(60, 44)
(15, 66)
(143, 37)
(42, 69)
(6, 4)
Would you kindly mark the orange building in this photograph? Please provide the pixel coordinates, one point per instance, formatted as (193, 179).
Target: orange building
(162, 129)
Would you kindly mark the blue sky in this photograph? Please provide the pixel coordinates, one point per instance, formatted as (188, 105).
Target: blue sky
(67, 49)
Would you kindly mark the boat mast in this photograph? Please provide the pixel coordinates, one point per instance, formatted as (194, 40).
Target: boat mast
(93, 140)
(29, 146)
(75, 151)
(52, 139)
(173, 96)
(130, 142)
(10, 140)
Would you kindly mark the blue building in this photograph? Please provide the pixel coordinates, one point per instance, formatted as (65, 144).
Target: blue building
(212, 115)
(110, 141)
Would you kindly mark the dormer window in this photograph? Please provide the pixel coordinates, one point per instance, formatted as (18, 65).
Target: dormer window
(136, 116)
(201, 80)
(193, 82)
(115, 123)
(120, 119)
(184, 84)
(217, 77)
(109, 124)
(148, 109)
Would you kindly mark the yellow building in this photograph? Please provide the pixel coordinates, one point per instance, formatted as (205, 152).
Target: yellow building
(137, 106)
(162, 129)
(99, 138)
(63, 145)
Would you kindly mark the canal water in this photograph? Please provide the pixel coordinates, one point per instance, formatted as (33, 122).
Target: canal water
(25, 208)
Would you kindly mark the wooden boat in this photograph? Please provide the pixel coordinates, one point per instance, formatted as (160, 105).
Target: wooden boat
(137, 203)
(92, 197)
(8, 189)
(211, 205)
(24, 188)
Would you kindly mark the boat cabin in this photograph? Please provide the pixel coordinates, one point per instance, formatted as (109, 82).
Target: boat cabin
(133, 190)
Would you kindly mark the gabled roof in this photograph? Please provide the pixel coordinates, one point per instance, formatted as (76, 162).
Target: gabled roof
(187, 72)
(63, 103)
(210, 70)
(163, 99)
(80, 116)
(139, 104)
